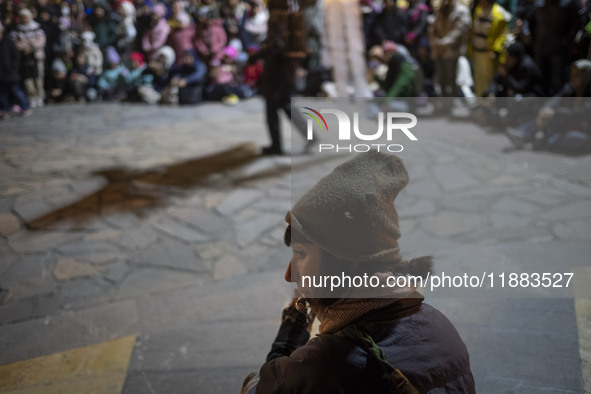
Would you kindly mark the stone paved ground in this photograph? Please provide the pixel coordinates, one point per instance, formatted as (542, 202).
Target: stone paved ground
(163, 224)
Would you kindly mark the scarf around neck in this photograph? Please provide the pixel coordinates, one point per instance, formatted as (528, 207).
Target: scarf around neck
(347, 310)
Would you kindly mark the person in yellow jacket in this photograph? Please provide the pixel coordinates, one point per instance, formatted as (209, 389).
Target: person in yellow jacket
(487, 42)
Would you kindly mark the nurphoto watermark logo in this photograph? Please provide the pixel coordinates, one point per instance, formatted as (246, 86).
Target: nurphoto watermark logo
(390, 125)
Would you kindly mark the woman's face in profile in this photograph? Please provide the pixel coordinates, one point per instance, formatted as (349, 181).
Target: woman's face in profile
(305, 261)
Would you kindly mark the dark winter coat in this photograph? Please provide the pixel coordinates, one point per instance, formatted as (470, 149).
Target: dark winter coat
(553, 26)
(192, 92)
(10, 59)
(390, 25)
(416, 338)
(524, 79)
(104, 28)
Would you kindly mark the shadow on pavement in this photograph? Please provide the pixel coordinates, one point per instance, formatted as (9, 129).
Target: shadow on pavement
(135, 191)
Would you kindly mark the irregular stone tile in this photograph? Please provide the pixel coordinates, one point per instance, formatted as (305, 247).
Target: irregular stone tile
(7, 257)
(541, 200)
(38, 241)
(115, 272)
(487, 191)
(29, 276)
(279, 193)
(508, 234)
(426, 189)
(67, 268)
(577, 190)
(228, 266)
(251, 230)
(203, 219)
(466, 204)
(88, 186)
(245, 214)
(450, 223)
(16, 310)
(573, 229)
(102, 235)
(33, 210)
(213, 250)
(124, 220)
(6, 204)
(213, 198)
(571, 210)
(67, 330)
(502, 220)
(142, 281)
(506, 180)
(276, 205)
(450, 177)
(253, 169)
(237, 200)
(138, 238)
(278, 234)
(169, 253)
(46, 305)
(9, 224)
(12, 190)
(417, 209)
(84, 292)
(102, 258)
(512, 204)
(60, 197)
(256, 254)
(180, 231)
(408, 225)
(87, 248)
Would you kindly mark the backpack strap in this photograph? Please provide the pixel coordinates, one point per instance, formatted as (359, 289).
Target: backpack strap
(359, 336)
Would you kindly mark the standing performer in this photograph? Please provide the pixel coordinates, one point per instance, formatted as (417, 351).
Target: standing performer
(278, 78)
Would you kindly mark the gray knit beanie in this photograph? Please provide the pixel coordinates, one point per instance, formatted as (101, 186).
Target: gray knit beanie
(350, 212)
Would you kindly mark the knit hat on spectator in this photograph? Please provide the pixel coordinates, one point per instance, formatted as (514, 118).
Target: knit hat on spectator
(390, 46)
(112, 56)
(350, 212)
(138, 57)
(231, 52)
(58, 67)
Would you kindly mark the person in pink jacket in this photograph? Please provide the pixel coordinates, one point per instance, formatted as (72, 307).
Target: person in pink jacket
(210, 38)
(182, 30)
(155, 37)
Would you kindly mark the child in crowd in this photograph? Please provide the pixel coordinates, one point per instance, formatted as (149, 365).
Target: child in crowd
(182, 30)
(59, 81)
(156, 35)
(80, 79)
(210, 37)
(113, 80)
(187, 80)
(223, 85)
(93, 55)
(126, 30)
(154, 78)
